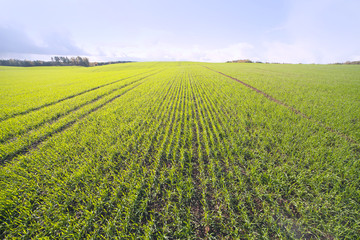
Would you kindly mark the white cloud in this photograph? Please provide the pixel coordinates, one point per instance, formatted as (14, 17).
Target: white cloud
(232, 52)
(355, 58)
(288, 53)
(319, 32)
(166, 52)
(16, 42)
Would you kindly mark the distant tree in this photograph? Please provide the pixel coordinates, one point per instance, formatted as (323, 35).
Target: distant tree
(79, 61)
(86, 62)
(72, 61)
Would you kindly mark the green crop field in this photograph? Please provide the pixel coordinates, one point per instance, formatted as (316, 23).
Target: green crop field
(180, 150)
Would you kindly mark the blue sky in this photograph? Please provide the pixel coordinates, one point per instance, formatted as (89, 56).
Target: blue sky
(307, 31)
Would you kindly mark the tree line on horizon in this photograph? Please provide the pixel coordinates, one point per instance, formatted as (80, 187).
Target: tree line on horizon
(349, 62)
(73, 61)
(249, 61)
(56, 61)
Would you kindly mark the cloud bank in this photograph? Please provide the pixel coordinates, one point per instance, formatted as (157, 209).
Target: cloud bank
(15, 42)
(322, 31)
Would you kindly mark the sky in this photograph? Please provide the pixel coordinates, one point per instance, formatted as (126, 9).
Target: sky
(285, 31)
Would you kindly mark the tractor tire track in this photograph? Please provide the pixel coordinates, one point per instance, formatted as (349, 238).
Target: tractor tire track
(65, 98)
(288, 107)
(14, 136)
(25, 149)
(256, 201)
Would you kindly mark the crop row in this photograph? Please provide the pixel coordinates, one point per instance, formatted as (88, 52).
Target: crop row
(56, 119)
(328, 94)
(24, 90)
(41, 115)
(183, 153)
